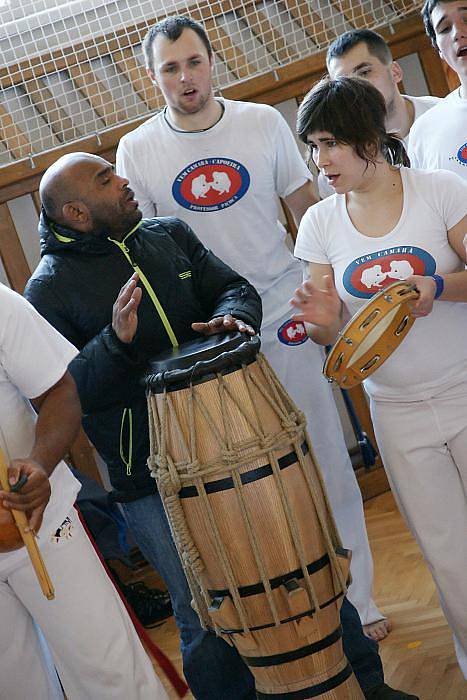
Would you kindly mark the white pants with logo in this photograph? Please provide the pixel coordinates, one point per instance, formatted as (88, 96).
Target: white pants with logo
(424, 449)
(92, 640)
(299, 368)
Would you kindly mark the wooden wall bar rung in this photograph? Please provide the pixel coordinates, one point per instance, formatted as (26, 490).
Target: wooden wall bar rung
(223, 45)
(127, 63)
(355, 15)
(11, 252)
(46, 104)
(18, 142)
(400, 6)
(99, 97)
(263, 29)
(310, 22)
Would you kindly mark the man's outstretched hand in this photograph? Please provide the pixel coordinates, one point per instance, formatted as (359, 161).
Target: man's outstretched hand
(223, 324)
(125, 310)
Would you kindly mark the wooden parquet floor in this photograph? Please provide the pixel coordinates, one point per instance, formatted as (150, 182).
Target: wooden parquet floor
(418, 655)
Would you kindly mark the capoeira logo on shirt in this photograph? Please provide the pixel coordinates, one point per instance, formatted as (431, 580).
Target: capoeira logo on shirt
(461, 155)
(65, 531)
(211, 184)
(292, 333)
(371, 273)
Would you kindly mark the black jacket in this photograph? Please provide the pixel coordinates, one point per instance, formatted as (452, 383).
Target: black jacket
(74, 288)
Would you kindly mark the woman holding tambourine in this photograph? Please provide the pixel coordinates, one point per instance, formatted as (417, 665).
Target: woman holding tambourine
(387, 222)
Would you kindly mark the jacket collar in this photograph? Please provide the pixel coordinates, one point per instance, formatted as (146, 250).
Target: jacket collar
(54, 237)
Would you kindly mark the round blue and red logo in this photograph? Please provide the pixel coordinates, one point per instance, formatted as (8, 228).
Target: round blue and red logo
(292, 333)
(371, 273)
(211, 184)
(462, 154)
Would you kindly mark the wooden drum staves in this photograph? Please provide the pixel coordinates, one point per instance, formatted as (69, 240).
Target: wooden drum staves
(249, 515)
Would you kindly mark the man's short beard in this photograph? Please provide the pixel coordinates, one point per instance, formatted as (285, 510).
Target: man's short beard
(116, 225)
(196, 108)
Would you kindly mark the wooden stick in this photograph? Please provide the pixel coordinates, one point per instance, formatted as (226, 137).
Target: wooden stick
(28, 537)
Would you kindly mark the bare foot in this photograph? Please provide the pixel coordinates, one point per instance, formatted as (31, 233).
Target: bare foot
(378, 630)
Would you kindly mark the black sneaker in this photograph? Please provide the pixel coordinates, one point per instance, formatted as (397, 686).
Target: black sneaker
(384, 692)
(150, 605)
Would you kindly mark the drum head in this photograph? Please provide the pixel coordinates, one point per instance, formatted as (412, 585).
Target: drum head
(200, 360)
(373, 336)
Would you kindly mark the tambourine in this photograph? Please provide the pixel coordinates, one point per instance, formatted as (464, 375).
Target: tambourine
(371, 336)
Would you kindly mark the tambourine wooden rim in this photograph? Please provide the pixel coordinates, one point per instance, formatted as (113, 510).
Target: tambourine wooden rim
(341, 366)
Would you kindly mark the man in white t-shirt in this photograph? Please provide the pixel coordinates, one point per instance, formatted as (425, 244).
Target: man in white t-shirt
(439, 138)
(86, 617)
(221, 165)
(362, 53)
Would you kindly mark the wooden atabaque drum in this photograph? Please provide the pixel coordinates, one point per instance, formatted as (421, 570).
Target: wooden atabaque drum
(249, 515)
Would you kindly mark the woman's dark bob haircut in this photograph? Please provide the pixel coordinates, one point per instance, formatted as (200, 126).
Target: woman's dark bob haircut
(354, 112)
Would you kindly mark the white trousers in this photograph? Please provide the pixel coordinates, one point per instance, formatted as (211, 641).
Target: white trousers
(424, 449)
(299, 367)
(92, 640)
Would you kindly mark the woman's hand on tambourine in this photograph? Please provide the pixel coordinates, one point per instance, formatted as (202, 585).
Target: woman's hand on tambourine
(125, 310)
(426, 287)
(321, 307)
(223, 324)
(33, 496)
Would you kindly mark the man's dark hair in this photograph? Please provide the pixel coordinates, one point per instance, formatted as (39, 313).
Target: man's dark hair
(375, 43)
(427, 9)
(354, 112)
(171, 28)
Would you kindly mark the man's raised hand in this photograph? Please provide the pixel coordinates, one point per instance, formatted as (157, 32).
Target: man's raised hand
(125, 310)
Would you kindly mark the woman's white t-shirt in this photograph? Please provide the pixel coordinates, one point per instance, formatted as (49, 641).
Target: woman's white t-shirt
(33, 357)
(433, 356)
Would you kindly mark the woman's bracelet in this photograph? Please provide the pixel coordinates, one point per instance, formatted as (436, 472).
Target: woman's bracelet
(439, 281)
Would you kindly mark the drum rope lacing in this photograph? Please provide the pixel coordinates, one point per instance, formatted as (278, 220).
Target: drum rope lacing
(233, 455)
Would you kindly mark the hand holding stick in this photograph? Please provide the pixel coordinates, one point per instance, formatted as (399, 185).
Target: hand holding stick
(27, 536)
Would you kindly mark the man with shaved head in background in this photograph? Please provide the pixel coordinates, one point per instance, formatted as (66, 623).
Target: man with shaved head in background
(362, 53)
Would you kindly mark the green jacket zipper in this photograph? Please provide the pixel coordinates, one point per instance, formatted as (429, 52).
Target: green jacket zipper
(128, 459)
(146, 284)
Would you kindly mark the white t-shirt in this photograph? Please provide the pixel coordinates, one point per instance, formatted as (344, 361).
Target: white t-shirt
(224, 183)
(33, 357)
(421, 105)
(433, 356)
(439, 138)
